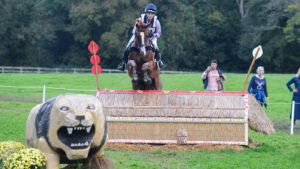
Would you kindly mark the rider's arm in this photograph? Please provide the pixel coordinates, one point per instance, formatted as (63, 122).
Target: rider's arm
(158, 29)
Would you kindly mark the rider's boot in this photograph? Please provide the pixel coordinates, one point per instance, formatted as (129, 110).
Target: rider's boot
(158, 59)
(147, 79)
(122, 66)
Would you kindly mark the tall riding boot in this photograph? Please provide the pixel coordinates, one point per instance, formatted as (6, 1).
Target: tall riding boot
(123, 64)
(158, 58)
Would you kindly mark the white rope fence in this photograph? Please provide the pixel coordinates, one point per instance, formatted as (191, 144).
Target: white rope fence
(46, 70)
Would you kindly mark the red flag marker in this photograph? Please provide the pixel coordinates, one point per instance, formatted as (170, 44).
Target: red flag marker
(95, 61)
(96, 69)
(93, 58)
(93, 47)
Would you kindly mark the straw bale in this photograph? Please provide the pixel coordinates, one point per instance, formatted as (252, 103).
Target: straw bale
(258, 119)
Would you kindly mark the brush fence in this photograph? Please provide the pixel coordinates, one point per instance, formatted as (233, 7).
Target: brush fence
(179, 117)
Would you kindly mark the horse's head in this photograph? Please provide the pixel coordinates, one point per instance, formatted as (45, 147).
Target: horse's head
(141, 27)
(141, 35)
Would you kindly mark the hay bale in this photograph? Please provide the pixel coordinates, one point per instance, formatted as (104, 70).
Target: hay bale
(258, 119)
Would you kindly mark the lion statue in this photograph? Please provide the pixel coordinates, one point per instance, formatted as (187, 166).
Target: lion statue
(67, 129)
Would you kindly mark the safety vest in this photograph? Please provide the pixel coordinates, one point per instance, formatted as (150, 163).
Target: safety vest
(152, 26)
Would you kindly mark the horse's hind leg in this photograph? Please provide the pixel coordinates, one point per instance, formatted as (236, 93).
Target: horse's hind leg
(132, 67)
(158, 83)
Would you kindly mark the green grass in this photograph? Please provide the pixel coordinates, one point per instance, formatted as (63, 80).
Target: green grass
(279, 150)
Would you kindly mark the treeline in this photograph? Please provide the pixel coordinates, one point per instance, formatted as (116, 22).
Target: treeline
(56, 33)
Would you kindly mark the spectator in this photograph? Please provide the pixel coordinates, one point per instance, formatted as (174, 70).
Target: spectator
(258, 86)
(213, 78)
(296, 94)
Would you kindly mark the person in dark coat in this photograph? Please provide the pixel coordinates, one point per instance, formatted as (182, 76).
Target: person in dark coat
(258, 86)
(296, 94)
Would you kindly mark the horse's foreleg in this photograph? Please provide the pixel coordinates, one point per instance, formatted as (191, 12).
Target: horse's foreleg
(145, 67)
(158, 83)
(132, 67)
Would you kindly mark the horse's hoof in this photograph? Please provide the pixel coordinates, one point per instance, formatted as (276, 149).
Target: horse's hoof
(135, 78)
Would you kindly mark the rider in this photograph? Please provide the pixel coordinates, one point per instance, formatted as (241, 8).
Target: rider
(155, 31)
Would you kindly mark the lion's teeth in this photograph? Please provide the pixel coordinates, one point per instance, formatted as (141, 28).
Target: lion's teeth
(86, 143)
(88, 129)
(70, 130)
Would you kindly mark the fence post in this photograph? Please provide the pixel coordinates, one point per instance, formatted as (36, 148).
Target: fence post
(292, 118)
(2, 70)
(39, 70)
(44, 93)
(21, 70)
(74, 70)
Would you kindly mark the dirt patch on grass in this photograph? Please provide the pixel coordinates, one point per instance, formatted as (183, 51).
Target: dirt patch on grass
(171, 147)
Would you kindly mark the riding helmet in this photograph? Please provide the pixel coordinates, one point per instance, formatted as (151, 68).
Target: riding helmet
(151, 7)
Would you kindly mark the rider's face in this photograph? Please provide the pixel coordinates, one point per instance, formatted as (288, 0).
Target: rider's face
(150, 15)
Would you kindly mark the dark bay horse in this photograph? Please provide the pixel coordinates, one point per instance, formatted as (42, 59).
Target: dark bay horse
(142, 66)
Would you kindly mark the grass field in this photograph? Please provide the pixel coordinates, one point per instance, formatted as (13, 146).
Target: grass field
(279, 150)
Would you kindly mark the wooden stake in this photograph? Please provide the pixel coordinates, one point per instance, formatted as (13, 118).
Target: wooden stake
(250, 69)
(97, 79)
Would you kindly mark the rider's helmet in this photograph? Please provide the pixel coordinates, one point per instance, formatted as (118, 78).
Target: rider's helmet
(151, 7)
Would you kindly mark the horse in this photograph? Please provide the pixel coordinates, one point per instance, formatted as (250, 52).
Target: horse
(142, 66)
